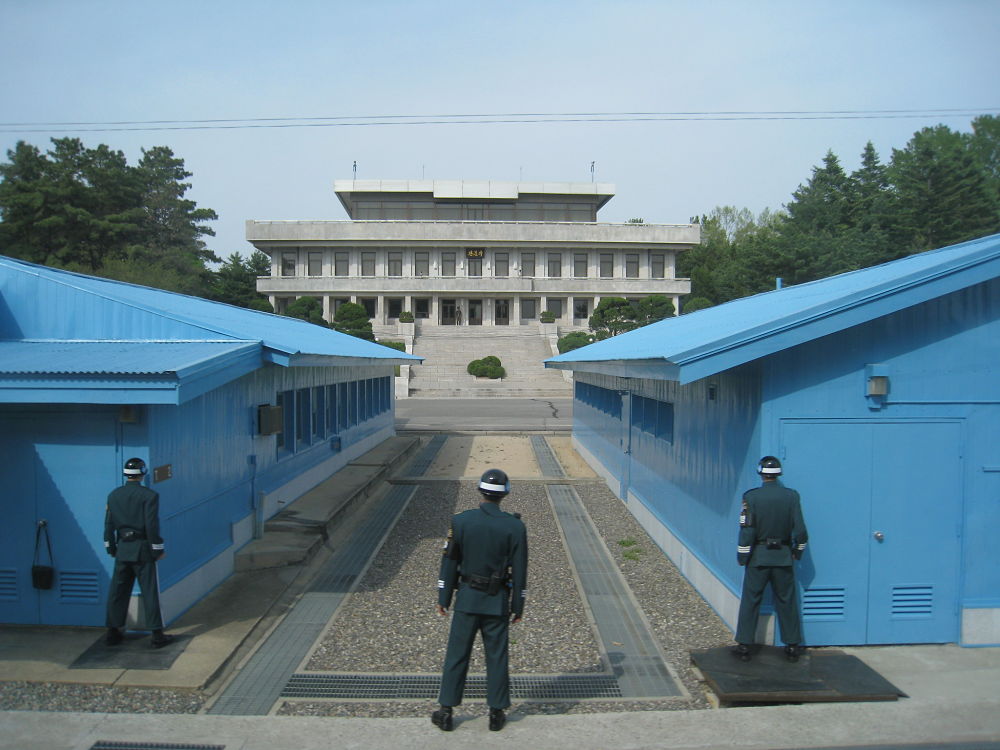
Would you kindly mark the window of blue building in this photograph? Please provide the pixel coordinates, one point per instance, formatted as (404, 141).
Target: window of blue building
(303, 417)
(319, 413)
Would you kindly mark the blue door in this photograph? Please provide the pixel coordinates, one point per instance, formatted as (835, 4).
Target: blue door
(883, 503)
(64, 466)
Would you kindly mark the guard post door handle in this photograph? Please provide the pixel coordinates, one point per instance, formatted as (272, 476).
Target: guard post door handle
(879, 536)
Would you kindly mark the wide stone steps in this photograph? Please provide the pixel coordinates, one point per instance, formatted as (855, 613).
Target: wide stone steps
(448, 351)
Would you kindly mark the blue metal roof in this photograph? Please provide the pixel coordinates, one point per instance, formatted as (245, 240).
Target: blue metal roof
(113, 357)
(287, 341)
(719, 338)
(115, 372)
(70, 337)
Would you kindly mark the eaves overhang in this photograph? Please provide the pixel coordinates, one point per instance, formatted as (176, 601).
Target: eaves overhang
(305, 359)
(846, 312)
(654, 369)
(174, 372)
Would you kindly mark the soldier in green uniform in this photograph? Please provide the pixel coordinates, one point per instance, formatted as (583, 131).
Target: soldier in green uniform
(132, 537)
(486, 559)
(772, 535)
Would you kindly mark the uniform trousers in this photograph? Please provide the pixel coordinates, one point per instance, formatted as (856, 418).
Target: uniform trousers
(782, 581)
(125, 574)
(464, 626)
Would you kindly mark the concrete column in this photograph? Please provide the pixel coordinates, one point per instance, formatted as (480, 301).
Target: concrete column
(515, 311)
(380, 309)
(435, 312)
(327, 315)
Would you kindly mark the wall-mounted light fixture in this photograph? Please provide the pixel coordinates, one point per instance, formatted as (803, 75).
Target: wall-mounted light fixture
(876, 385)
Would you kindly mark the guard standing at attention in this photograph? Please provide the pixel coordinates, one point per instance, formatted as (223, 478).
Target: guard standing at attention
(486, 559)
(132, 537)
(772, 535)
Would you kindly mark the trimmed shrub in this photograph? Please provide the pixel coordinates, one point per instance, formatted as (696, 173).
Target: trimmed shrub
(406, 317)
(487, 367)
(547, 317)
(693, 304)
(574, 340)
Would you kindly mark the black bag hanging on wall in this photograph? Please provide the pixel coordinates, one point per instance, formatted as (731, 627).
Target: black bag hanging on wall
(42, 576)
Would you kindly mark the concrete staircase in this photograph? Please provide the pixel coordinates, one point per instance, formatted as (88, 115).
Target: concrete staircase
(447, 351)
(295, 534)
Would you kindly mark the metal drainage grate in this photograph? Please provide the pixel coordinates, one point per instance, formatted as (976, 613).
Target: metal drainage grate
(423, 460)
(117, 745)
(621, 626)
(257, 686)
(426, 687)
(547, 461)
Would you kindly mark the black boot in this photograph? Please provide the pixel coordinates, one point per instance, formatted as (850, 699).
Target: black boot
(793, 651)
(497, 719)
(161, 639)
(742, 650)
(113, 637)
(443, 719)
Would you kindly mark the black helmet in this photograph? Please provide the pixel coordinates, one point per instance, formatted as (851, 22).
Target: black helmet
(769, 466)
(134, 467)
(494, 484)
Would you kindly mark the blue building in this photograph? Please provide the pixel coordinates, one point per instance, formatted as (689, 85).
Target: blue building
(879, 390)
(234, 411)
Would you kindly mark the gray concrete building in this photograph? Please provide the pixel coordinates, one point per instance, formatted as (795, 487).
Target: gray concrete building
(470, 253)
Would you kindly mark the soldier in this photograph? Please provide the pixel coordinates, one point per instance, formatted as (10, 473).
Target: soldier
(132, 537)
(486, 559)
(772, 534)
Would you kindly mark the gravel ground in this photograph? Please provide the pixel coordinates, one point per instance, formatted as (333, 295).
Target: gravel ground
(50, 696)
(398, 593)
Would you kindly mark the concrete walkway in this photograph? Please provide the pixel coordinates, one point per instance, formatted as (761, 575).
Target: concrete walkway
(952, 691)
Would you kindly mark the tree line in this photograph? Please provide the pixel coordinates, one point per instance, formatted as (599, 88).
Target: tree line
(89, 210)
(941, 189)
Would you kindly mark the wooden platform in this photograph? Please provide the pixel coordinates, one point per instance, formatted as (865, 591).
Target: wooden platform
(823, 675)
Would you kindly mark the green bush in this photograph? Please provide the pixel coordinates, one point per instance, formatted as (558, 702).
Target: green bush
(693, 304)
(406, 317)
(574, 340)
(307, 308)
(397, 345)
(547, 317)
(352, 319)
(487, 367)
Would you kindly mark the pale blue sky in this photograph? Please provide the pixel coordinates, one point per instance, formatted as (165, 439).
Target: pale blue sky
(115, 61)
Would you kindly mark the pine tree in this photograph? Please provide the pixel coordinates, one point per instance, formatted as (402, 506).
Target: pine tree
(943, 193)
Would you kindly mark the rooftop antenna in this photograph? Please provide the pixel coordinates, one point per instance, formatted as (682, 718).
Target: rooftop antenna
(592, 171)
(423, 167)
(355, 169)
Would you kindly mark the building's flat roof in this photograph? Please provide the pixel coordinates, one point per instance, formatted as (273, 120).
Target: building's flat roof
(486, 233)
(602, 192)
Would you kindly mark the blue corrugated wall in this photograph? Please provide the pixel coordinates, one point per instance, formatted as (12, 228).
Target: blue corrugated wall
(942, 358)
(219, 461)
(692, 481)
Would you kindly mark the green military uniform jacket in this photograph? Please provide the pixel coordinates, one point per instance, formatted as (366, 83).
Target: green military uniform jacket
(771, 512)
(480, 542)
(134, 507)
